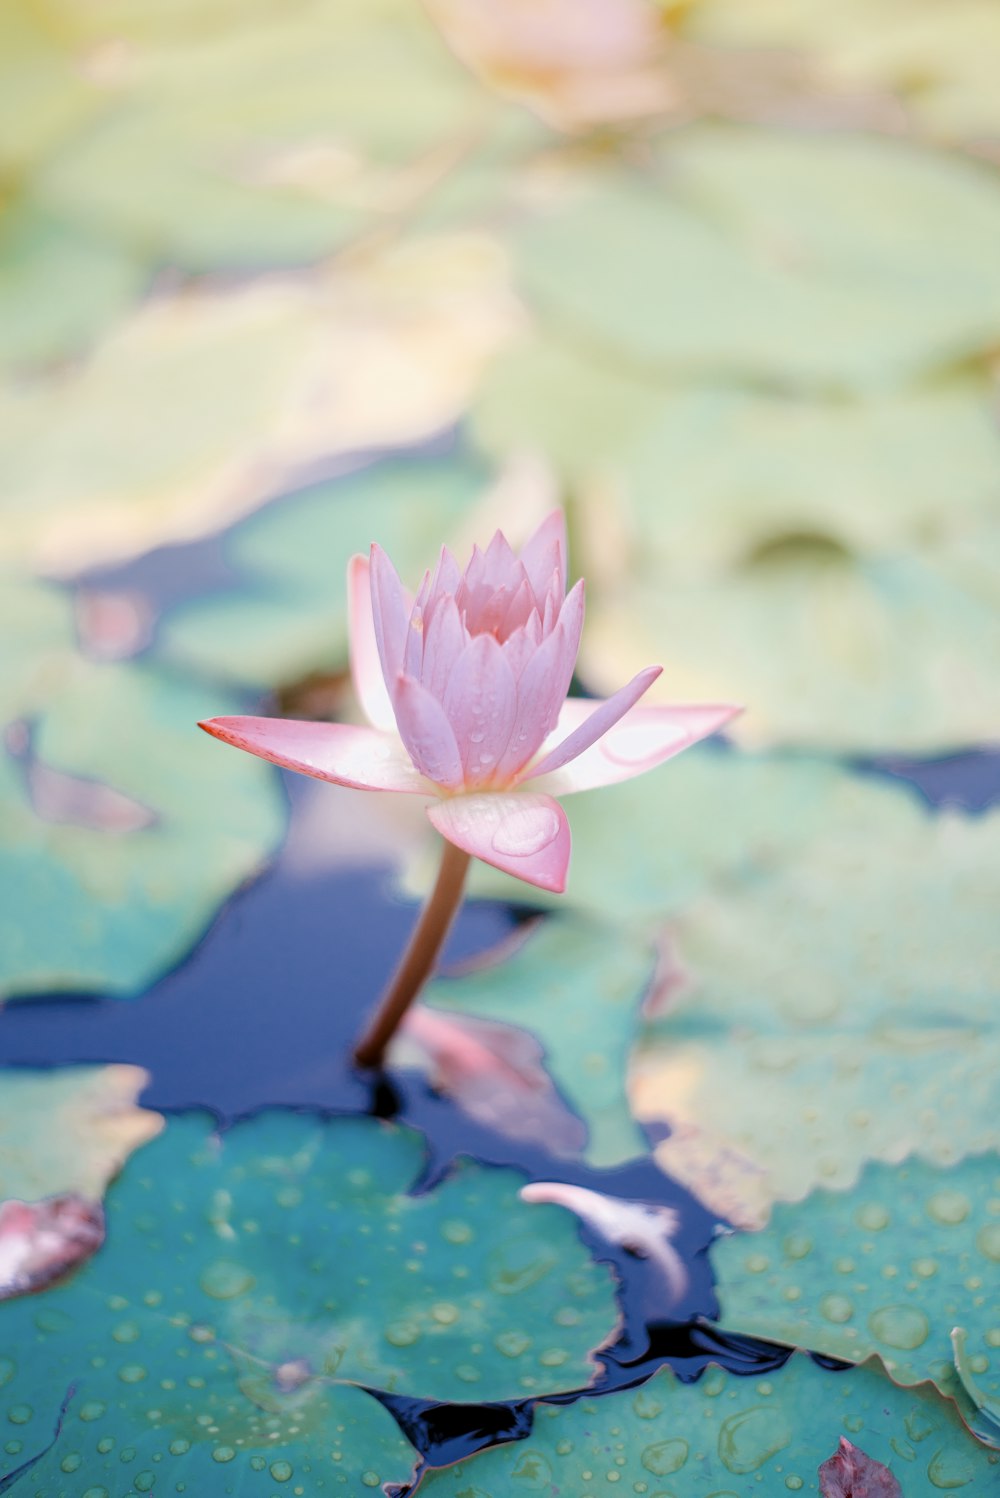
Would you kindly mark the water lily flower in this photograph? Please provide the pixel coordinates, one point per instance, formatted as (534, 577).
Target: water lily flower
(465, 688)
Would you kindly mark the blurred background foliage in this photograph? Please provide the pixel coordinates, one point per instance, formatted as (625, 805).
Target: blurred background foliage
(721, 278)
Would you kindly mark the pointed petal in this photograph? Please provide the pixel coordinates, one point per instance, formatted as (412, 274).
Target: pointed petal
(644, 738)
(446, 638)
(542, 687)
(520, 832)
(481, 702)
(391, 605)
(425, 730)
(544, 555)
(359, 757)
(413, 649)
(603, 716)
(501, 563)
(366, 667)
(522, 644)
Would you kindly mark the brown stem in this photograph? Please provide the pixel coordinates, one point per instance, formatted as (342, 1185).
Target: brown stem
(418, 959)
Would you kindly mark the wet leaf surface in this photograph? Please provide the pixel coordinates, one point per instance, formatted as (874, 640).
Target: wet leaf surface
(722, 1436)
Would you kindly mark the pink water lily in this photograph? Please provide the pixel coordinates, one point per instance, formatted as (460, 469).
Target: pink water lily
(465, 687)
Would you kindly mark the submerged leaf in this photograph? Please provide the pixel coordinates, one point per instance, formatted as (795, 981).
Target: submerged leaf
(849, 1473)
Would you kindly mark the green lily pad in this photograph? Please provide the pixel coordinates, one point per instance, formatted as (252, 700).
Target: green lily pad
(889, 1269)
(273, 140)
(706, 476)
(246, 1279)
(938, 63)
(576, 987)
(69, 1130)
(835, 1007)
(60, 286)
(122, 831)
(853, 653)
(289, 614)
(726, 1437)
(755, 253)
(647, 847)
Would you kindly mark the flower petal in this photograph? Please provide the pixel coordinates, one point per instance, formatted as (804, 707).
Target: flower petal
(603, 715)
(425, 730)
(445, 639)
(542, 687)
(359, 757)
(366, 667)
(543, 556)
(640, 740)
(521, 832)
(481, 703)
(391, 605)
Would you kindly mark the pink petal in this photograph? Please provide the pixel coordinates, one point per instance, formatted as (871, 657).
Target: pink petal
(501, 568)
(521, 832)
(519, 610)
(447, 575)
(366, 668)
(519, 647)
(544, 557)
(542, 687)
(445, 639)
(359, 757)
(604, 715)
(640, 740)
(481, 703)
(391, 606)
(413, 649)
(425, 730)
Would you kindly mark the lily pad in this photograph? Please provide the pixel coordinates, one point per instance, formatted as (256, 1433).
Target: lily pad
(647, 847)
(288, 613)
(722, 1436)
(831, 649)
(889, 1269)
(576, 987)
(271, 141)
(231, 394)
(70, 1130)
(122, 832)
(60, 286)
(836, 1007)
(756, 253)
(704, 476)
(247, 1278)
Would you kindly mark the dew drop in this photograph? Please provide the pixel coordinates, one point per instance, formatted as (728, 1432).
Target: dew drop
(512, 1344)
(223, 1454)
(95, 1493)
(180, 1446)
(144, 1482)
(20, 1414)
(751, 1437)
(950, 1469)
(836, 1308)
(402, 1333)
(224, 1280)
(524, 832)
(988, 1241)
(132, 1373)
(949, 1207)
(444, 1313)
(456, 1231)
(872, 1216)
(664, 1457)
(71, 1461)
(370, 1479)
(905, 1327)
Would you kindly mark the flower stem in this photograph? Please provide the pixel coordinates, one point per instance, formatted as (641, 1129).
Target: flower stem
(418, 959)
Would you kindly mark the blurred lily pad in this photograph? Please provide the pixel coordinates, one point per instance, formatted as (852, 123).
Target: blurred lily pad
(722, 1436)
(60, 285)
(69, 1130)
(272, 140)
(227, 395)
(288, 613)
(647, 847)
(939, 63)
(759, 254)
(246, 1279)
(889, 1269)
(702, 477)
(830, 649)
(574, 986)
(122, 832)
(44, 93)
(835, 1007)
